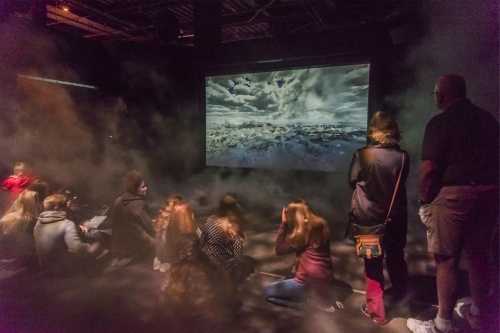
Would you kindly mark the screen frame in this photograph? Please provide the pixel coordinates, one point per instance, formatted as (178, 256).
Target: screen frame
(268, 65)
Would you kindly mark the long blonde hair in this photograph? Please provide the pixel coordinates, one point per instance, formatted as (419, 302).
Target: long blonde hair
(306, 228)
(23, 214)
(176, 215)
(163, 218)
(30, 206)
(182, 219)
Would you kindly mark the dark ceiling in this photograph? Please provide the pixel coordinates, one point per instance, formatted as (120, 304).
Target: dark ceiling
(174, 21)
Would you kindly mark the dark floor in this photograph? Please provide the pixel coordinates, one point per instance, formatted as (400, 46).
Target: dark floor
(30, 302)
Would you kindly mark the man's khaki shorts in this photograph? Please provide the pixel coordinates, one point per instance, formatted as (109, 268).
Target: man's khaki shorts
(462, 217)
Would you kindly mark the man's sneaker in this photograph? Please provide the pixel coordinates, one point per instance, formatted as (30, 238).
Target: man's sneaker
(462, 309)
(425, 326)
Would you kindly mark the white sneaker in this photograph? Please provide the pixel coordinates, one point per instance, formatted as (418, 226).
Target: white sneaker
(460, 306)
(422, 326)
(462, 309)
(426, 326)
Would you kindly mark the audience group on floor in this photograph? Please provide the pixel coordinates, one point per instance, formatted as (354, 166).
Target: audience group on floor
(459, 206)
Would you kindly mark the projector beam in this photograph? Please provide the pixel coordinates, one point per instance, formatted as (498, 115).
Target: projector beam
(64, 83)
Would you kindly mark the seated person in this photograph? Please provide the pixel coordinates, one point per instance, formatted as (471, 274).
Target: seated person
(132, 238)
(188, 284)
(307, 235)
(222, 241)
(59, 246)
(17, 182)
(38, 186)
(167, 233)
(16, 227)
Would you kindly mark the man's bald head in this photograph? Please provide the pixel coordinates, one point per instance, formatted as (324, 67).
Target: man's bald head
(449, 88)
(452, 85)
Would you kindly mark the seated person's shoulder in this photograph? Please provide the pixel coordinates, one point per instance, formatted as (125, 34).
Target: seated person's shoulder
(68, 224)
(210, 223)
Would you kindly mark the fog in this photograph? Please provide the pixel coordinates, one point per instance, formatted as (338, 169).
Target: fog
(89, 139)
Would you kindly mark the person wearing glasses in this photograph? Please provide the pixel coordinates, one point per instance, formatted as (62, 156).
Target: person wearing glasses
(459, 202)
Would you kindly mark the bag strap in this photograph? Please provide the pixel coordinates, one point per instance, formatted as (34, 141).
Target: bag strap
(396, 188)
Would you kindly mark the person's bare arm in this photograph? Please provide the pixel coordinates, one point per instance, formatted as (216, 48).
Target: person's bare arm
(429, 181)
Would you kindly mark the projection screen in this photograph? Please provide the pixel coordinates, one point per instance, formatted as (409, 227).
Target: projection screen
(309, 118)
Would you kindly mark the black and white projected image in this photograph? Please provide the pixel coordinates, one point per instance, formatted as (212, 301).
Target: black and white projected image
(309, 119)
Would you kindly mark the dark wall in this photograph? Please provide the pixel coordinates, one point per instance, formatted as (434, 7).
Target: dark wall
(444, 38)
(367, 43)
(148, 106)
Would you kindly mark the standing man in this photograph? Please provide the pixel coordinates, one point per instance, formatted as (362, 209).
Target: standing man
(459, 201)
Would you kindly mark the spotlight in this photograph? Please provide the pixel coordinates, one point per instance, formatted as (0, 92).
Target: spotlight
(65, 8)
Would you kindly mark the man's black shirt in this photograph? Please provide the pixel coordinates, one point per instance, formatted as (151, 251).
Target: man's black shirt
(463, 142)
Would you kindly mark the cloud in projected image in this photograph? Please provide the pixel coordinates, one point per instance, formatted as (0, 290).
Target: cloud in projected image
(292, 114)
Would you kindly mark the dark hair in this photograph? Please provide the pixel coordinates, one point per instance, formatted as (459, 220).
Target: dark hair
(383, 129)
(229, 206)
(230, 214)
(132, 181)
(40, 187)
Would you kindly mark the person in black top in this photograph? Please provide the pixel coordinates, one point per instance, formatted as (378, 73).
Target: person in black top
(133, 237)
(373, 175)
(459, 200)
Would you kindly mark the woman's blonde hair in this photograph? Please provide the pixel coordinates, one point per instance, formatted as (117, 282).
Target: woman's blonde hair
(163, 218)
(306, 227)
(182, 219)
(383, 129)
(23, 214)
(30, 205)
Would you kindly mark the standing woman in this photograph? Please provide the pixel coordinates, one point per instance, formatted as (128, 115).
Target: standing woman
(308, 236)
(373, 176)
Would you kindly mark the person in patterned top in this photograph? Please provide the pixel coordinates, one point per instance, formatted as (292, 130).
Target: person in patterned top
(222, 240)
